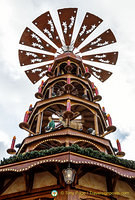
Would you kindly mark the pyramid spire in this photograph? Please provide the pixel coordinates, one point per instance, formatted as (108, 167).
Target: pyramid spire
(66, 152)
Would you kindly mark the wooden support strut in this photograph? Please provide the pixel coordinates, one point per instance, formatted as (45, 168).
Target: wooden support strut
(109, 183)
(104, 134)
(85, 91)
(96, 125)
(114, 182)
(7, 184)
(2, 179)
(50, 92)
(38, 127)
(77, 70)
(60, 176)
(76, 176)
(29, 178)
(58, 70)
(30, 132)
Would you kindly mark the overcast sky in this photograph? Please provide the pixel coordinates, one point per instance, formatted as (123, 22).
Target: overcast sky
(118, 92)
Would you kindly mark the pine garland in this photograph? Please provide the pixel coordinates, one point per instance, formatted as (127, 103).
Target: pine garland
(73, 148)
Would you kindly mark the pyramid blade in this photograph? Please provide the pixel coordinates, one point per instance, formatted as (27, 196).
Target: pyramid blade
(106, 58)
(104, 39)
(31, 39)
(28, 57)
(45, 24)
(90, 23)
(67, 18)
(98, 73)
(35, 74)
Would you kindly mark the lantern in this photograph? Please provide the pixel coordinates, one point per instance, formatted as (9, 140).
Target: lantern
(69, 175)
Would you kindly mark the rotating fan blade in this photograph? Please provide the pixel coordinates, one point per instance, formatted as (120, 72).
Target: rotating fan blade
(31, 39)
(35, 74)
(90, 23)
(98, 73)
(28, 57)
(107, 58)
(67, 18)
(104, 39)
(45, 24)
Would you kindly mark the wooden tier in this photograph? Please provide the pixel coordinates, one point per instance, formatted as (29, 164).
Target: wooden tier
(59, 85)
(65, 137)
(90, 113)
(68, 56)
(37, 178)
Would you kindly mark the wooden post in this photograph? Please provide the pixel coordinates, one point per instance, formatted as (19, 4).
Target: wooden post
(109, 183)
(85, 91)
(67, 143)
(96, 125)
(114, 182)
(38, 123)
(77, 70)
(58, 70)
(50, 92)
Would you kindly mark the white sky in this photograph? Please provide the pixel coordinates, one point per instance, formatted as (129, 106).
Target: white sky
(118, 92)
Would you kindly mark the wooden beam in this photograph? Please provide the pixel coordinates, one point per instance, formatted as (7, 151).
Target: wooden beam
(109, 183)
(131, 183)
(60, 176)
(30, 132)
(77, 71)
(50, 169)
(85, 91)
(76, 176)
(35, 194)
(3, 189)
(96, 125)
(28, 178)
(82, 173)
(2, 179)
(25, 175)
(114, 182)
(53, 143)
(50, 92)
(104, 134)
(58, 70)
(43, 145)
(38, 123)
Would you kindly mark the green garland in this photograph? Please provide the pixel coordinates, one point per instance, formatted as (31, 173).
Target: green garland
(73, 148)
